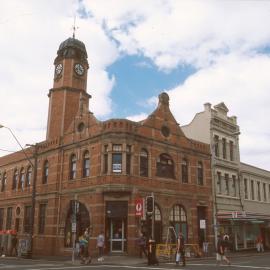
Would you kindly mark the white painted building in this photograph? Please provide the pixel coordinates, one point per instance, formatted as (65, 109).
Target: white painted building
(241, 217)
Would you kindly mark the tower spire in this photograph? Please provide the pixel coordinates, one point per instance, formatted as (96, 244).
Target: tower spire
(74, 27)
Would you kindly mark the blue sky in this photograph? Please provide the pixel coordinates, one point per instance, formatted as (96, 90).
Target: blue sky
(196, 51)
(138, 79)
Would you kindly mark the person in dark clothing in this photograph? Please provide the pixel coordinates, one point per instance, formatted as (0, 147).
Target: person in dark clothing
(152, 259)
(14, 243)
(221, 245)
(180, 248)
(142, 245)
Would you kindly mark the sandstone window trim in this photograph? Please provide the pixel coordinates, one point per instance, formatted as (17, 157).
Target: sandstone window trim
(144, 159)
(200, 172)
(72, 167)
(165, 166)
(45, 173)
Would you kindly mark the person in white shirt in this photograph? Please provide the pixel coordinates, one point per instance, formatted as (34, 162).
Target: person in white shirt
(100, 246)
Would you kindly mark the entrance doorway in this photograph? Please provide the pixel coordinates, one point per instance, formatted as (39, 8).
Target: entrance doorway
(116, 226)
(117, 235)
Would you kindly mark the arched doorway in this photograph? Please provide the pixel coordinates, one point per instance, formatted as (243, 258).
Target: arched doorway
(82, 221)
(178, 220)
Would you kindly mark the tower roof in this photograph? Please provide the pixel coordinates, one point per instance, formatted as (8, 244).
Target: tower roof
(71, 47)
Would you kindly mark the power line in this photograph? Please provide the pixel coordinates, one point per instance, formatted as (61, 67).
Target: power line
(5, 150)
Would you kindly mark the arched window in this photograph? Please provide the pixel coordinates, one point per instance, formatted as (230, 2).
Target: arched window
(165, 166)
(86, 164)
(144, 163)
(200, 173)
(28, 176)
(82, 222)
(21, 180)
(73, 167)
(15, 179)
(45, 172)
(184, 170)
(4, 181)
(178, 220)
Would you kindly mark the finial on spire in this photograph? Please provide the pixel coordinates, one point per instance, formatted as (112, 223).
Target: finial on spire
(74, 27)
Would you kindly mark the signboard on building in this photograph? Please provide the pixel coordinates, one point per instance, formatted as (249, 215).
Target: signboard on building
(73, 227)
(202, 224)
(139, 207)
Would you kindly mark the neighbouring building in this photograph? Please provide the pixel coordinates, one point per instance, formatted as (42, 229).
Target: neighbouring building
(241, 195)
(91, 173)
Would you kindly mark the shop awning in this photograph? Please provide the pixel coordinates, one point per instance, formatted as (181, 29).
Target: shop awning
(242, 216)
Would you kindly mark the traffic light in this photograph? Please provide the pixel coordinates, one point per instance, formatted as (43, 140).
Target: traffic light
(149, 204)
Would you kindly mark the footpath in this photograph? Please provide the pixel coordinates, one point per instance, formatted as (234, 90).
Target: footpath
(133, 261)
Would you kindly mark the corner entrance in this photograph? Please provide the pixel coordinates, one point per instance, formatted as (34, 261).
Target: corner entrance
(117, 235)
(116, 226)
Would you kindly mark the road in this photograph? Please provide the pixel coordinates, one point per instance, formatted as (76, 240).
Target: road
(241, 263)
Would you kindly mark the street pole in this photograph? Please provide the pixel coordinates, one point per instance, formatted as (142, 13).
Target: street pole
(153, 216)
(74, 228)
(31, 234)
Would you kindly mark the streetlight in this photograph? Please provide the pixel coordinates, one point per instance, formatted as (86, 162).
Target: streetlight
(34, 166)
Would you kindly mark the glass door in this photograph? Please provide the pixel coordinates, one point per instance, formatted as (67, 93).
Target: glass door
(117, 235)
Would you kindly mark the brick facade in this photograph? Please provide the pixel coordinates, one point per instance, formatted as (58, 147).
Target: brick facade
(73, 130)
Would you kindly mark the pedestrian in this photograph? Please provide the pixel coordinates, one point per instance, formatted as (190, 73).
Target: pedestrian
(180, 249)
(84, 247)
(152, 259)
(100, 246)
(259, 243)
(14, 242)
(142, 245)
(221, 251)
(205, 248)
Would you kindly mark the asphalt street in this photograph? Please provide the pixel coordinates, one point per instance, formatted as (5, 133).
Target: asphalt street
(240, 263)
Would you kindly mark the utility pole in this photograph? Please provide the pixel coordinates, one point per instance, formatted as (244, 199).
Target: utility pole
(31, 233)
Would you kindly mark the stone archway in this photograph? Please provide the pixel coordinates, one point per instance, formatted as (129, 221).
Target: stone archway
(82, 222)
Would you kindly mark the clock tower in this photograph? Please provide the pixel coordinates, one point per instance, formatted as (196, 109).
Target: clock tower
(69, 87)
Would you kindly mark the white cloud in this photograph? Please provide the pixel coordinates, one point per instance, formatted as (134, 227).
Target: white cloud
(177, 32)
(221, 39)
(32, 32)
(137, 117)
(235, 80)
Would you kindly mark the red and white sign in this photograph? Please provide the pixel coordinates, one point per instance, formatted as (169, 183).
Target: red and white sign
(139, 207)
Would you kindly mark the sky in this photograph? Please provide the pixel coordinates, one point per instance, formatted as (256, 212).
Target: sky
(196, 51)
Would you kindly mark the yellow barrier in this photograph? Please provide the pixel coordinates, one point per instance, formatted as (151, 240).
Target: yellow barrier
(167, 251)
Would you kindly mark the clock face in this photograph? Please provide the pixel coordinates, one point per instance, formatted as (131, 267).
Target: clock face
(79, 69)
(58, 69)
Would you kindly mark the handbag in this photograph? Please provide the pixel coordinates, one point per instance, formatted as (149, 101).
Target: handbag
(178, 257)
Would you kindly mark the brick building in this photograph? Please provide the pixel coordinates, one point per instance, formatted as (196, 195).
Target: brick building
(104, 166)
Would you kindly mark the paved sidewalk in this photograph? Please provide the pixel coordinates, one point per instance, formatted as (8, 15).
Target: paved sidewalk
(133, 260)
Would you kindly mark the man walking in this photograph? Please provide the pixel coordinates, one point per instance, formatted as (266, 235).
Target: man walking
(221, 244)
(142, 245)
(180, 248)
(14, 243)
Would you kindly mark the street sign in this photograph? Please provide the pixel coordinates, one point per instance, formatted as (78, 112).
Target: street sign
(139, 207)
(202, 224)
(73, 227)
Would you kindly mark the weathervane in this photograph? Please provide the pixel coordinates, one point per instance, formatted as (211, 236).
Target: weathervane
(74, 27)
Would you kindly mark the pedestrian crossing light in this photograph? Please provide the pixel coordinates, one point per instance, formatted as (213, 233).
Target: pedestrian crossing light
(149, 205)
